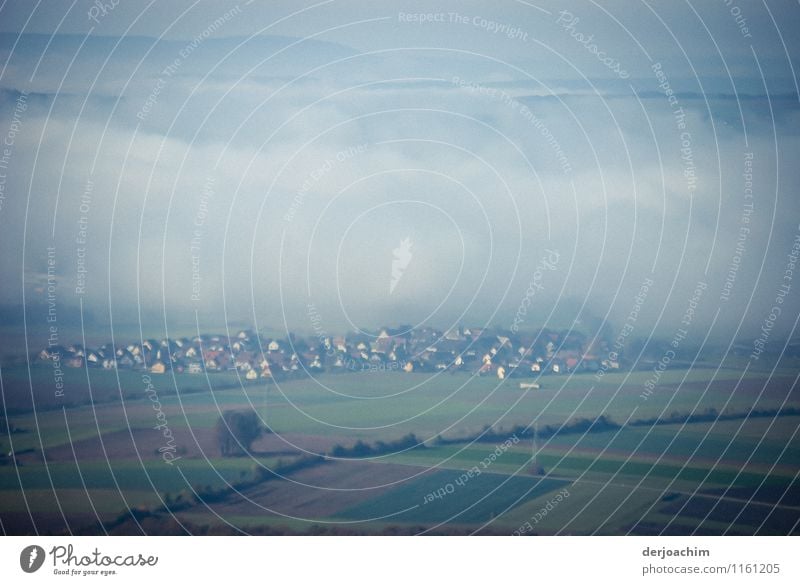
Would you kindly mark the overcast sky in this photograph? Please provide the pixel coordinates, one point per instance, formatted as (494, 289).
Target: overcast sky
(244, 161)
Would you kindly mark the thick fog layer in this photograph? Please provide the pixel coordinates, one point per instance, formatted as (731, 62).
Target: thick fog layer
(347, 166)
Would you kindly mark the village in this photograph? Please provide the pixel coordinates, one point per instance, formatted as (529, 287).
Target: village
(473, 350)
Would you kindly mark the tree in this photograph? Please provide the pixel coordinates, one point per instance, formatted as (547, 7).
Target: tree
(237, 430)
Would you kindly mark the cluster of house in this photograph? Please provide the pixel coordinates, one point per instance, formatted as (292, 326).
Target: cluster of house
(477, 350)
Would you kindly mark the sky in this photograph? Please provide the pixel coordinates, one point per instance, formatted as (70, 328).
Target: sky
(333, 166)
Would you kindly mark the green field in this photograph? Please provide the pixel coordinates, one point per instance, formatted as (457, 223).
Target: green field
(82, 464)
(479, 500)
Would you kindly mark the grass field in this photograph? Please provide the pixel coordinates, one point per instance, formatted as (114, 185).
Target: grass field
(83, 463)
